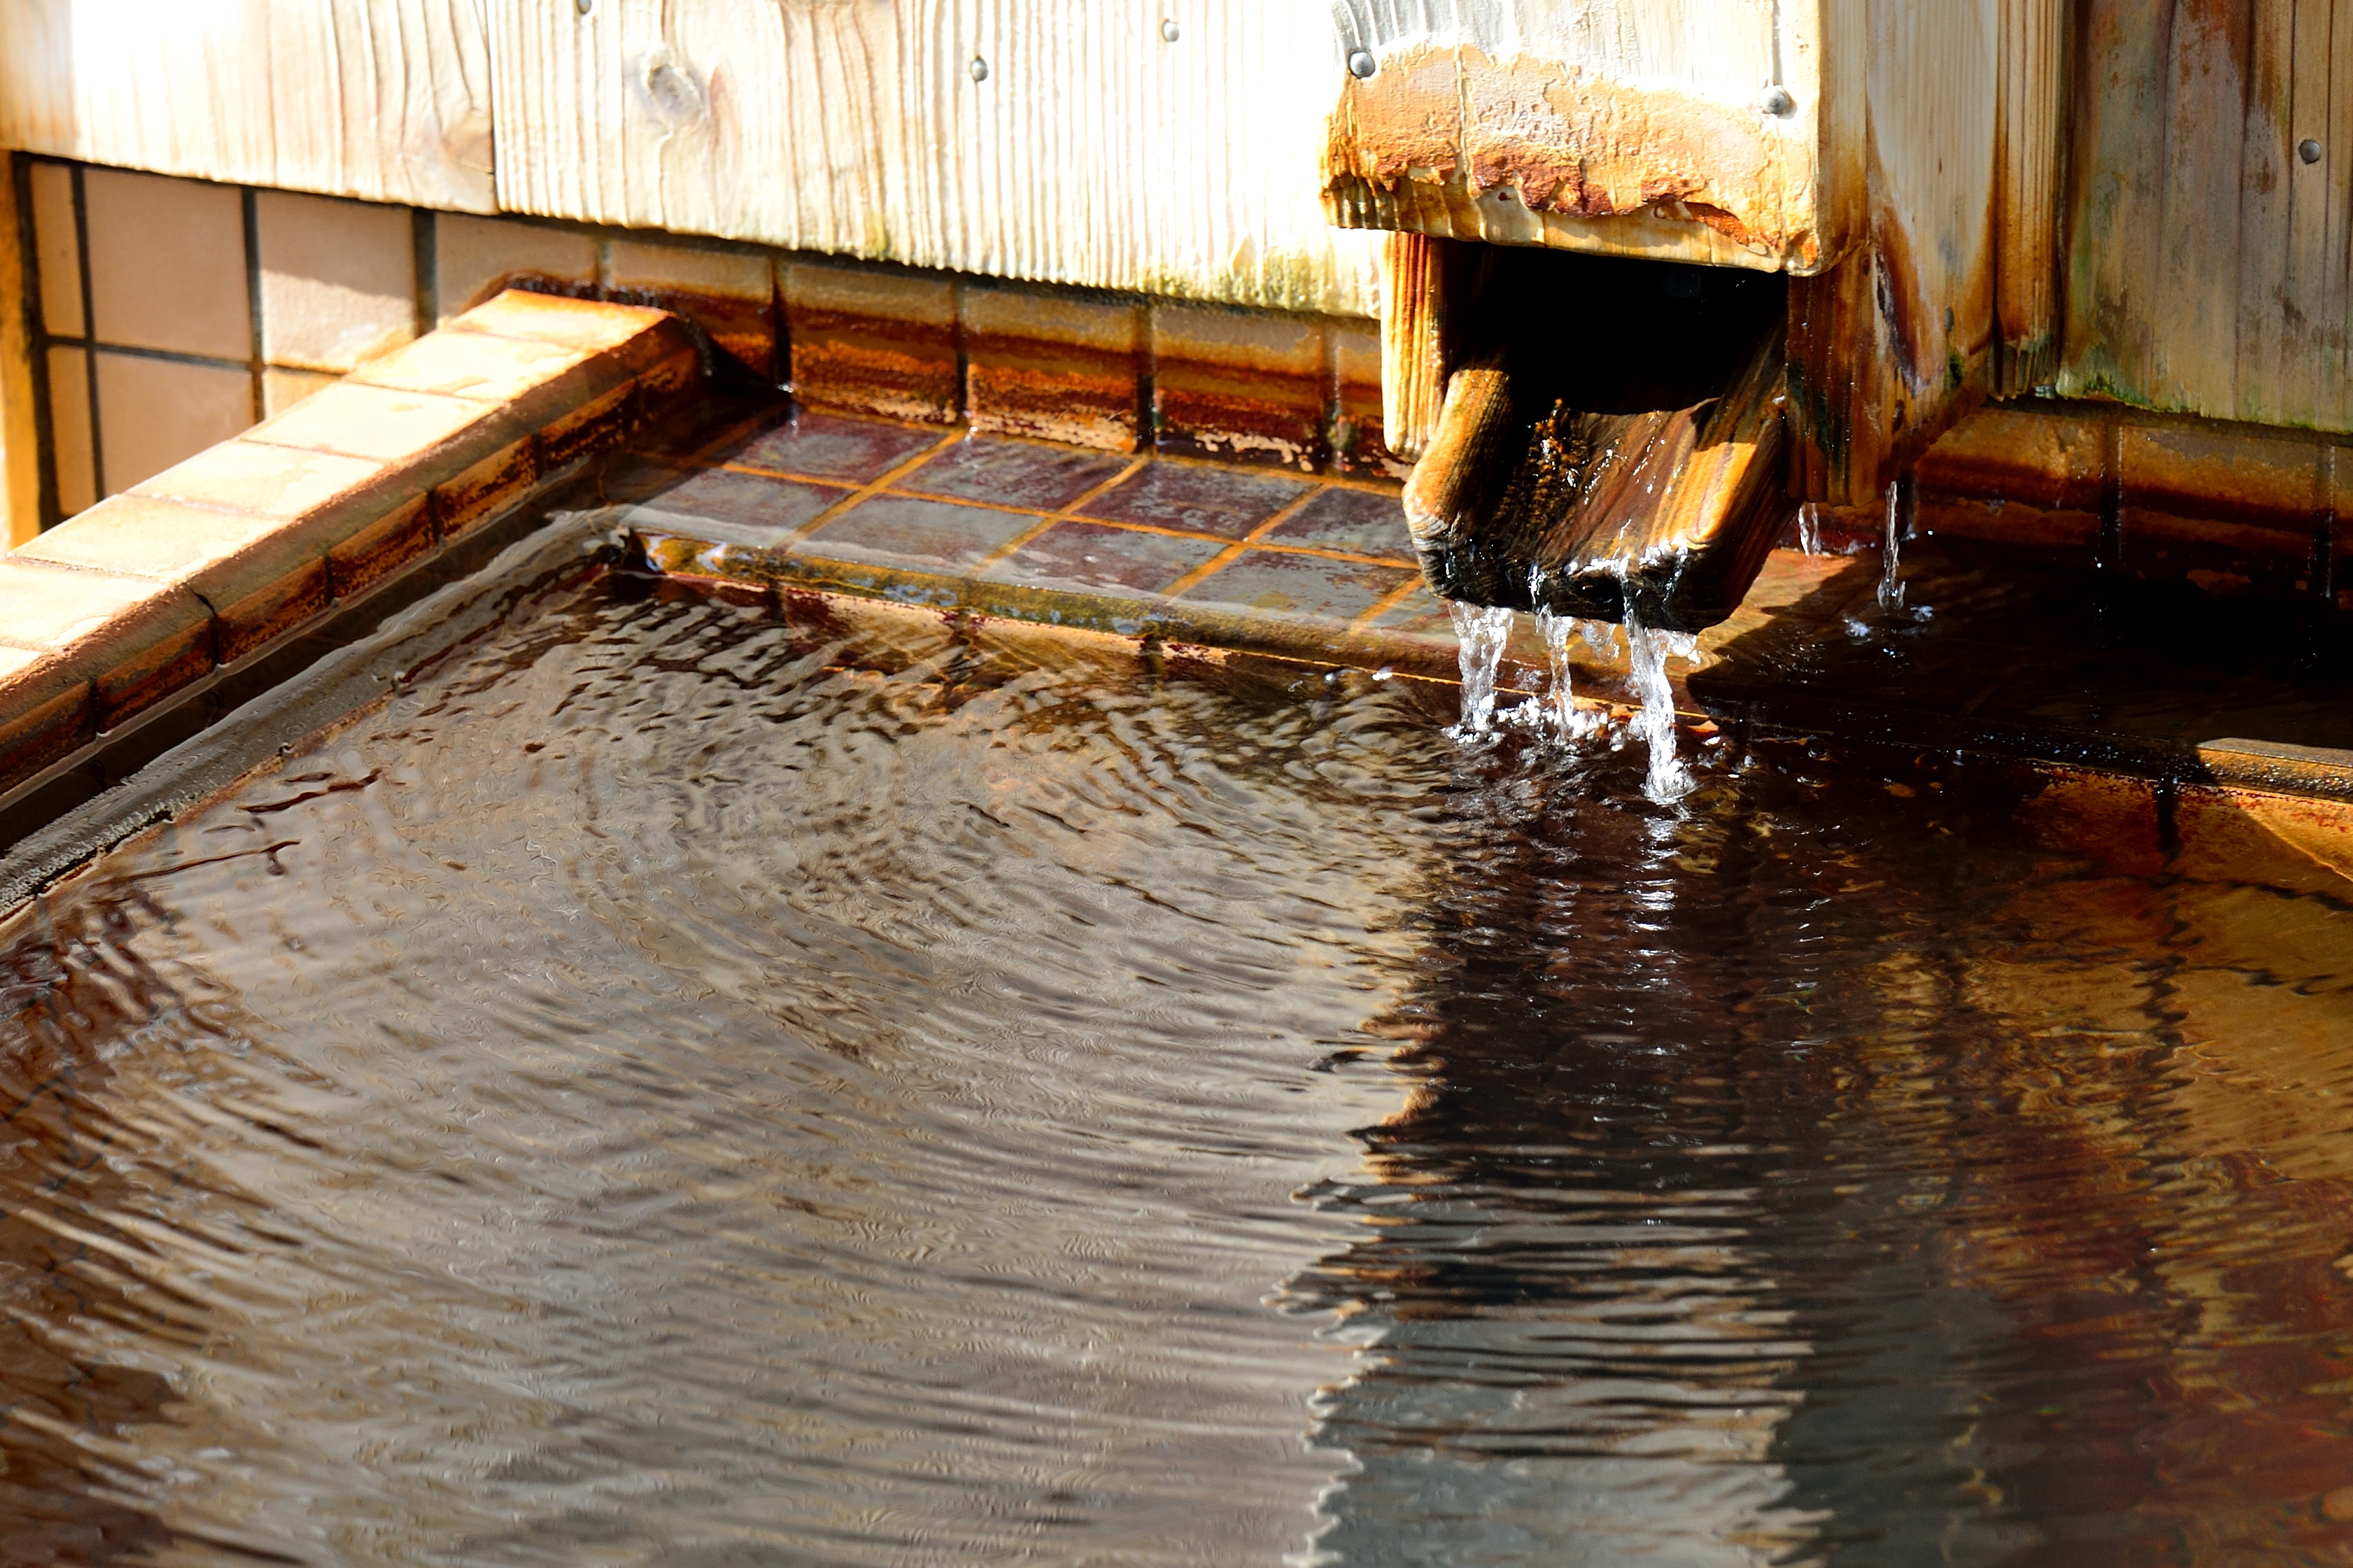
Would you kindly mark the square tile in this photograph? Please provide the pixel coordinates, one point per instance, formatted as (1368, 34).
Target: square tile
(872, 342)
(477, 258)
(1052, 367)
(56, 250)
(281, 389)
(1094, 556)
(725, 507)
(75, 458)
(370, 422)
(257, 477)
(153, 413)
(1013, 473)
(1197, 498)
(338, 279)
(455, 363)
(1419, 614)
(729, 294)
(926, 536)
(1366, 522)
(1238, 386)
(1273, 583)
(833, 446)
(167, 264)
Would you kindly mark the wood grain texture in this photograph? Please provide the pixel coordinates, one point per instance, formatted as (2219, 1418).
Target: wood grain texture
(1413, 352)
(2029, 160)
(1638, 129)
(385, 100)
(1096, 151)
(2207, 262)
(1890, 348)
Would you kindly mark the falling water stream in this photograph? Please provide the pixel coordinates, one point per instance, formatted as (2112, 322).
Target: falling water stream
(1481, 632)
(1891, 586)
(682, 1083)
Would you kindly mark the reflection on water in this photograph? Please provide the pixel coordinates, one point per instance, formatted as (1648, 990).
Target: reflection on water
(692, 1084)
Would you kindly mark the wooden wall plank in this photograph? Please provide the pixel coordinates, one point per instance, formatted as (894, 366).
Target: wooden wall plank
(2031, 156)
(1095, 151)
(20, 434)
(2206, 266)
(385, 100)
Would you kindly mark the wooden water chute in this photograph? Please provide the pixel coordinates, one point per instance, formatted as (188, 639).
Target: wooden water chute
(1649, 286)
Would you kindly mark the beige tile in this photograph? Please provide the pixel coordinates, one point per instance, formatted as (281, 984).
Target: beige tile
(56, 250)
(258, 477)
(370, 422)
(153, 413)
(475, 257)
(167, 264)
(70, 447)
(1237, 340)
(132, 640)
(581, 325)
(338, 279)
(154, 538)
(460, 363)
(911, 298)
(281, 389)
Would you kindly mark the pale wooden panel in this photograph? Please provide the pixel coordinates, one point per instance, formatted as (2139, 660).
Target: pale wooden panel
(2031, 156)
(2207, 268)
(1095, 153)
(387, 100)
(1891, 347)
(1642, 128)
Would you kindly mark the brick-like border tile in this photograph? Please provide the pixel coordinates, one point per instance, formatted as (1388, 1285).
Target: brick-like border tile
(216, 560)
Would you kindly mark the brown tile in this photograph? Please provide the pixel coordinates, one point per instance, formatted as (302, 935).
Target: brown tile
(152, 413)
(2218, 555)
(1093, 556)
(281, 389)
(394, 540)
(260, 573)
(167, 264)
(1052, 367)
(1012, 473)
(1358, 446)
(56, 250)
(1197, 497)
(338, 279)
(1419, 614)
(1238, 386)
(45, 713)
(477, 259)
(70, 443)
(921, 535)
(487, 488)
(2050, 460)
(1365, 522)
(361, 421)
(832, 447)
(730, 293)
(281, 482)
(596, 426)
(1275, 583)
(133, 640)
(723, 506)
(872, 343)
(2191, 471)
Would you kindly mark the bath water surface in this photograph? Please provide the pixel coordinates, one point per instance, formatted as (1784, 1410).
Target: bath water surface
(691, 1083)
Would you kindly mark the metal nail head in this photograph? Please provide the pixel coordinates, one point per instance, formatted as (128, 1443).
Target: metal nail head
(979, 68)
(1361, 64)
(585, 5)
(1777, 101)
(2308, 150)
(1168, 29)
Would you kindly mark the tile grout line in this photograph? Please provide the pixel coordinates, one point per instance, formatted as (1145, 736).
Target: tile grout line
(1067, 514)
(874, 488)
(1396, 597)
(1234, 552)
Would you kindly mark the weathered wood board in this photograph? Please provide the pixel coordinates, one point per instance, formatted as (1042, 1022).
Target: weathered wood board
(385, 100)
(2207, 264)
(1725, 133)
(1086, 146)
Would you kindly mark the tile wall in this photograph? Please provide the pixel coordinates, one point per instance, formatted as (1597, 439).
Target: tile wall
(172, 313)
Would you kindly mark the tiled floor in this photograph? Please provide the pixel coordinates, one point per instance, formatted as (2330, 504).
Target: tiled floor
(1064, 534)
(1985, 653)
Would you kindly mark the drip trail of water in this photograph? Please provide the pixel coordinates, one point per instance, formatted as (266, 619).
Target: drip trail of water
(1560, 698)
(1809, 529)
(1669, 780)
(1481, 631)
(1890, 590)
